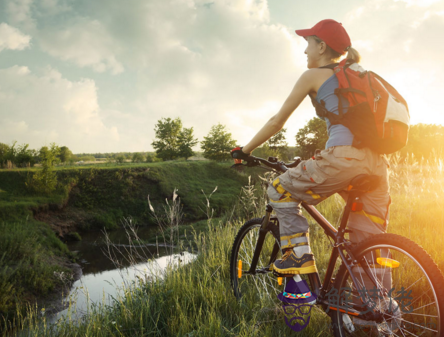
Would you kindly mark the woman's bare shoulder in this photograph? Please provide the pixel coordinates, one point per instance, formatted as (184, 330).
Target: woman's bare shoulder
(317, 72)
(315, 77)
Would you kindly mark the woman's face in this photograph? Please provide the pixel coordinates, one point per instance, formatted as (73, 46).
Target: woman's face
(313, 52)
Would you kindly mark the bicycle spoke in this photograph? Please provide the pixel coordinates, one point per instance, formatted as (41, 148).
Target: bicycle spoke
(418, 325)
(409, 313)
(424, 292)
(424, 306)
(261, 283)
(400, 328)
(412, 288)
(414, 283)
(410, 333)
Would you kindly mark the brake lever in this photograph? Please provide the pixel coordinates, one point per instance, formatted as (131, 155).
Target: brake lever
(253, 163)
(249, 163)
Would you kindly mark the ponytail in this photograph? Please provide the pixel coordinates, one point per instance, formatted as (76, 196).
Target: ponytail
(354, 55)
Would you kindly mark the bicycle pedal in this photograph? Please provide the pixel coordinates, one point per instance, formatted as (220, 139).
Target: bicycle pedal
(275, 273)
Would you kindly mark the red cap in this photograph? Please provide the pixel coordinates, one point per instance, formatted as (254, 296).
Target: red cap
(331, 32)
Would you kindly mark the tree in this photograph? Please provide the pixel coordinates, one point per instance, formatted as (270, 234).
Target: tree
(120, 159)
(172, 141)
(25, 156)
(151, 158)
(65, 154)
(218, 143)
(45, 180)
(277, 145)
(10, 154)
(86, 158)
(185, 142)
(4, 150)
(167, 133)
(311, 137)
(278, 141)
(20, 156)
(137, 158)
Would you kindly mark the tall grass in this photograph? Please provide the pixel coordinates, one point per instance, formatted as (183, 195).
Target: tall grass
(417, 210)
(29, 253)
(197, 299)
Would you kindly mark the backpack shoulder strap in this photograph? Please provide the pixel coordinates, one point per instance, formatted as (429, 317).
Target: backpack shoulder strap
(329, 66)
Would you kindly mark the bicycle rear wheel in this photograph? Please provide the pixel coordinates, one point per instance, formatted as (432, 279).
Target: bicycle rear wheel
(414, 305)
(261, 287)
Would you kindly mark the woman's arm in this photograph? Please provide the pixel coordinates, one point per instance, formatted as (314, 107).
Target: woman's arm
(302, 88)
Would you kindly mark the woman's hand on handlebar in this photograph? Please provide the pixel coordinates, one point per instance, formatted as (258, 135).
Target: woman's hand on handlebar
(238, 155)
(252, 161)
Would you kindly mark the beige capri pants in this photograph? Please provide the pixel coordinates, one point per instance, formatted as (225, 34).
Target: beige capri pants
(330, 171)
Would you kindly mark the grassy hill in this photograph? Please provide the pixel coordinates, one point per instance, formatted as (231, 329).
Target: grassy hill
(122, 190)
(93, 197)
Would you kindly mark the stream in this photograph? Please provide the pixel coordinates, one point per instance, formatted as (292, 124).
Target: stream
(102, 279)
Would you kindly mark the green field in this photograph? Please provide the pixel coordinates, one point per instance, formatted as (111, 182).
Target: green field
(92, 198)
(109, 192)
(197, 300)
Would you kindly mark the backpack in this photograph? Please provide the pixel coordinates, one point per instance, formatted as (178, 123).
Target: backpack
(377, 115)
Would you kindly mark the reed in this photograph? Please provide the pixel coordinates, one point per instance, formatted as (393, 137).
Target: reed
(196, 299)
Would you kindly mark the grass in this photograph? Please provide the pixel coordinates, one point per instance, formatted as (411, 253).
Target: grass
(94, 197)
(197, 300)
(109, 193)
(30, 255)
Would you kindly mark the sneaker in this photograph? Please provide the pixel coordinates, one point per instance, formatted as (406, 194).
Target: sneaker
(290, 264)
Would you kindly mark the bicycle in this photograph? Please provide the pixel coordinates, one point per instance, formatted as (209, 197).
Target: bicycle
(412, 270)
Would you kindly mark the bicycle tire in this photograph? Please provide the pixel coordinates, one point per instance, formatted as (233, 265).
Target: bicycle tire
(418, 273)
(261, 288)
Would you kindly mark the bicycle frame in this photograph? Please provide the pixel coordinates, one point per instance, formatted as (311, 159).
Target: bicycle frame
(341, 249)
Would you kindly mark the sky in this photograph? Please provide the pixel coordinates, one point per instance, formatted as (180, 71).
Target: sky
(96, 76)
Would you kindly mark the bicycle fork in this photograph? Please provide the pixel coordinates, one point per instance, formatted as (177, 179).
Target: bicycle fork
(313, 277)
(260, 240)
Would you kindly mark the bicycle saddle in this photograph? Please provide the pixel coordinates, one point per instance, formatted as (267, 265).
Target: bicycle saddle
(364, 183)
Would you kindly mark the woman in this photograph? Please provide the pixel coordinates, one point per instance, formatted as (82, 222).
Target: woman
(330, 170)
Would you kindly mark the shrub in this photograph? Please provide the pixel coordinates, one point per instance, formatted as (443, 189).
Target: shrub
(44, 181)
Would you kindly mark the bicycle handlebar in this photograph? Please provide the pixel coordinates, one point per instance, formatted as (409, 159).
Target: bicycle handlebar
(272, 162)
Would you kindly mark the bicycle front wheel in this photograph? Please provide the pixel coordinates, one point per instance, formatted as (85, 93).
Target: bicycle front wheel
(261, 286)
(409, 295)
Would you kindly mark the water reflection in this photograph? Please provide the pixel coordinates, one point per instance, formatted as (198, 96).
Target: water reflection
(91, 248)
(101, 280)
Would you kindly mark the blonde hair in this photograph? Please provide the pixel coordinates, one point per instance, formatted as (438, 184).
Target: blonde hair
(352, 53)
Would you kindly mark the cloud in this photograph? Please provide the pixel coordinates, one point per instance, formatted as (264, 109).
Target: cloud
(363, 45)
(39, 109)
(406, 54)
(86, 43)
(419, 3)
(356, 13)
(12, 38)
(53, 7)
(203, 61)
(187, 59)
(20, 12)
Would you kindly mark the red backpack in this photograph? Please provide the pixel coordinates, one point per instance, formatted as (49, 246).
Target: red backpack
(377, 115)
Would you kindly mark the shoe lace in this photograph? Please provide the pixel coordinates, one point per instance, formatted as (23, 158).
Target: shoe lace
(286, 254)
